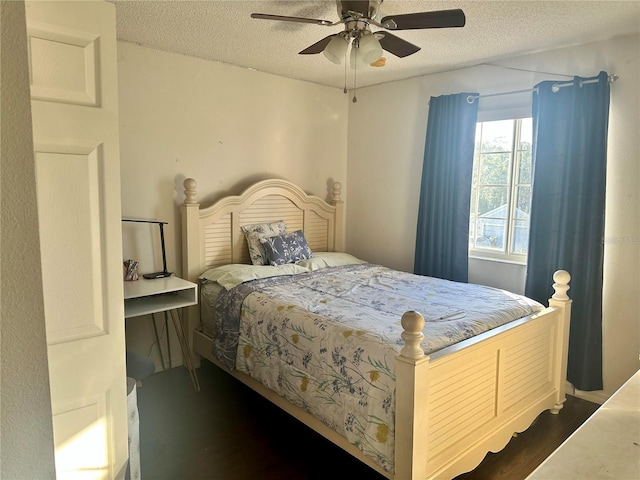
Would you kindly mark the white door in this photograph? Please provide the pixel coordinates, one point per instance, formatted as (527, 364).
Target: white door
(72, 65)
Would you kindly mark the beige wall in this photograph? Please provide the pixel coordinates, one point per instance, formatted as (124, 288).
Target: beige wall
(385, 164)
(25, 407)
(225, 126)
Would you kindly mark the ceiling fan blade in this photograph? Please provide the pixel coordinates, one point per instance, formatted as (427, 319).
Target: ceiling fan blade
(317, 47)
(416, 21)
(266, 16)
(395, 45)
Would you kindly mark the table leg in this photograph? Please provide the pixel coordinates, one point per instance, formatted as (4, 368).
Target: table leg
(184, 346)
(166, 329)
(155, 329)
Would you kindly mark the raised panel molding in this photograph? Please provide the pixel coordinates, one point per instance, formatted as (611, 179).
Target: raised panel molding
(71, 184)
(81, 436)
(75, 72)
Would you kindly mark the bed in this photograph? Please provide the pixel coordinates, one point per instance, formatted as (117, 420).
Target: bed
(448, 407)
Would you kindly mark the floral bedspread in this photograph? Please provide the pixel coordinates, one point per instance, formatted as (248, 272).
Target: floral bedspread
(327, 340)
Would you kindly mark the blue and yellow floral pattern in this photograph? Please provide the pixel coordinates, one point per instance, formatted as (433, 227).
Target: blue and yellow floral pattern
(327, 340)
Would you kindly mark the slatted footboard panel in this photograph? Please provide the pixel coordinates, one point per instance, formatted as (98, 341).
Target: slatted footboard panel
(528, 367)
(461, 400)
(481, 389)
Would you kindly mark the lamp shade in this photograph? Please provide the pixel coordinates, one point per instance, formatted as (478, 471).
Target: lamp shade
(335, 49)
(369, 48)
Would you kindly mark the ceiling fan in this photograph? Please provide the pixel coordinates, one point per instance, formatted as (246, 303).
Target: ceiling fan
(367, 46)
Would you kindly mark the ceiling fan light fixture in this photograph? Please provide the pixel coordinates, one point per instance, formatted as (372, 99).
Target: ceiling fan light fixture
(336, 49)
(369, 48)
(355, 59)
(366, 47)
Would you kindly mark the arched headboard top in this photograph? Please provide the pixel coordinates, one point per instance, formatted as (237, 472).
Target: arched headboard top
(212, 236)
(262, 189)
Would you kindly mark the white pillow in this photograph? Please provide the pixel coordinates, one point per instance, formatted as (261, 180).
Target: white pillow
(234, 274)
(257, 231)
(329, 259)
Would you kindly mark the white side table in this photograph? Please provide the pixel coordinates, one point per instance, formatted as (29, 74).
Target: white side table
(164, 295)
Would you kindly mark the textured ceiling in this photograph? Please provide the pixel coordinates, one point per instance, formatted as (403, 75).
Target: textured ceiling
(223, 31)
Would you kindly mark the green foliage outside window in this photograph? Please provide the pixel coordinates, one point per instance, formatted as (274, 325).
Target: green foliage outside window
(501, 188)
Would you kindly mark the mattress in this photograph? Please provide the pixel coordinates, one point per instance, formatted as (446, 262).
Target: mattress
(209, 292)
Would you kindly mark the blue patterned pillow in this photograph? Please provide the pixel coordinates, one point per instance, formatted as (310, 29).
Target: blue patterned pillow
(283, 249)
(257, 231)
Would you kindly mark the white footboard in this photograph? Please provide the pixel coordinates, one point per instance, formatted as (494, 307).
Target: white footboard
(464, 401)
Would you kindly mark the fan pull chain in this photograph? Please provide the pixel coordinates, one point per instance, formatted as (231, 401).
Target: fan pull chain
(345, 72)
(355, 77)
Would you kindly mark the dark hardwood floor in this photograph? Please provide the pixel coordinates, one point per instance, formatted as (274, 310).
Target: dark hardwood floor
(228, 432)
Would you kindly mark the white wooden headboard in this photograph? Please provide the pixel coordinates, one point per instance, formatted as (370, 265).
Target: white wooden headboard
(211, 236)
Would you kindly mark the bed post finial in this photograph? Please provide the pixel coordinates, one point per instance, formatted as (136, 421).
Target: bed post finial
(412, 323)
(561, 285)
(189, 191)
(336, 201)
(336, 193)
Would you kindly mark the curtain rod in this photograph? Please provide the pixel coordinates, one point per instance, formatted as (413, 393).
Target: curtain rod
(554, 88)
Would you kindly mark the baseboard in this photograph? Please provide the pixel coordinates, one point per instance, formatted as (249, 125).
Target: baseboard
(597, 396)
(176, 361)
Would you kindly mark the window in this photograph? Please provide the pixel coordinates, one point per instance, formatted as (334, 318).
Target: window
(501, 190)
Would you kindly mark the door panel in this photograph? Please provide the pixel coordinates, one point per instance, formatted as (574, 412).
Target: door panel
(72, 60)
(69, 190)
(74, 79)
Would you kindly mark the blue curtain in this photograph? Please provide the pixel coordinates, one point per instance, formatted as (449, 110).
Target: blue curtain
(567, 211)
(442, 237)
